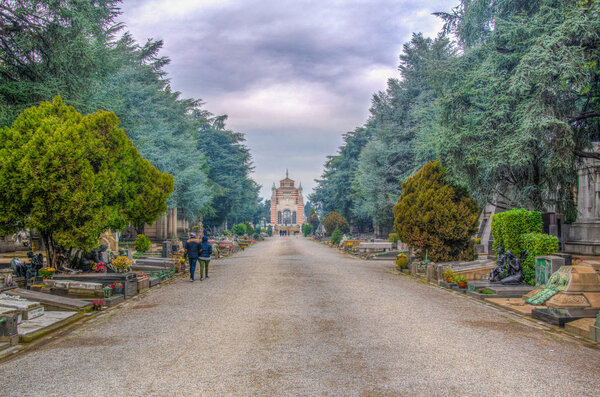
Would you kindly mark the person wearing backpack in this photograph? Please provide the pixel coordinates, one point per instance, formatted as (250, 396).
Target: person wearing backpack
(205, 253)
(192, 252)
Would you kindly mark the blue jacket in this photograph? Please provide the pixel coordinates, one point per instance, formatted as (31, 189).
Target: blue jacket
(192, 247)
(206, 248)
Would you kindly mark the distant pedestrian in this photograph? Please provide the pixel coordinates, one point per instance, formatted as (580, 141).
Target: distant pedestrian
(192, 252)
(205, 253)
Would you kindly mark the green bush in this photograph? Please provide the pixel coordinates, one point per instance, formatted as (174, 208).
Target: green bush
(239, 229)
(142, 243)
(335, 221)
(536, 244)
(393, 237)
(336, 236)
(307, 229)
(401, 261)
(249, 228)
(270, 230)
(509, 227)
(227, 233)
(435, 216)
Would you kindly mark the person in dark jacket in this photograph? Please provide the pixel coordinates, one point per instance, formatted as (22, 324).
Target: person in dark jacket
(205, 253)
(192, 252)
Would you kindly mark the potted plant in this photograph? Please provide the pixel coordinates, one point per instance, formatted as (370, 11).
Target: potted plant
(121, 264)
(450, 276)
(461, 281)
(46, 272)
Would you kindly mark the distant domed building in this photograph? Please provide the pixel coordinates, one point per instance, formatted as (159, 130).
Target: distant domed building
(287, 207)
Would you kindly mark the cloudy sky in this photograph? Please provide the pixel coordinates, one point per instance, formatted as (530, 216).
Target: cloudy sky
(292, 75)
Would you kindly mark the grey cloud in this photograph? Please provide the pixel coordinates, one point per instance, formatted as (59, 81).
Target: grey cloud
(292, 75)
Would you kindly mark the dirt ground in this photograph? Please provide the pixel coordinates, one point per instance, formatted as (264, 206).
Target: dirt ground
(289, 316)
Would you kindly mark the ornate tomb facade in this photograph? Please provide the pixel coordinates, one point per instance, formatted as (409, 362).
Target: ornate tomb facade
(287, 206)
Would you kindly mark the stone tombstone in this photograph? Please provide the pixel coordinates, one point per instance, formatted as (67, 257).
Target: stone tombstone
(129, 254)
(432, 274)
(545, 266)
(166, 249)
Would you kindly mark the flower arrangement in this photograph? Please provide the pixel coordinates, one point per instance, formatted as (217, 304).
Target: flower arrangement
(98, 303)
(116, 287)
(461, 281)
(576, 261)
(46, 272)
(450, 275)
(121, 264)
(99, 267)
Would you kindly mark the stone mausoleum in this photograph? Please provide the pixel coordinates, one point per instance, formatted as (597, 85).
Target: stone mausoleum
(287, 207)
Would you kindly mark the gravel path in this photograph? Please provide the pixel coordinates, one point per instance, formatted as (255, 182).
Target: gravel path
(291, 317)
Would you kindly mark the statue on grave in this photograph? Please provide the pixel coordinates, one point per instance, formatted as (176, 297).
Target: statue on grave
(497, 273)
(514, 269)
(94, 256)
(27, 270)
(18, 268)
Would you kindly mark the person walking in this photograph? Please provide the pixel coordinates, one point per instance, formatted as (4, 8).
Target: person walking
(192, 252)
(205, 253)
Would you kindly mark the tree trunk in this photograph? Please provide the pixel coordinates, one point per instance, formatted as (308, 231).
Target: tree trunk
(50, 254)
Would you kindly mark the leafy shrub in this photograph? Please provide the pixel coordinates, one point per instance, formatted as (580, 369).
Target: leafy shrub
(461, 278)
(508, 228)
(336, 236)
(270, 230)
(393, 237)
(249, 228)
(485, 291)
(307, 229)
(536, 244)
(239, 229)
(402, 261)
(335, 221)
(227, 232)
(142, 243)
(436, 217)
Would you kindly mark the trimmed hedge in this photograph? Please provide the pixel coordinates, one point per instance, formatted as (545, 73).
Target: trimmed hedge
(509, 227)
(536, 244)
(393, 237)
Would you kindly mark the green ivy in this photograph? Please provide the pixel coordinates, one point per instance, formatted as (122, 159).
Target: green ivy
(536, 244)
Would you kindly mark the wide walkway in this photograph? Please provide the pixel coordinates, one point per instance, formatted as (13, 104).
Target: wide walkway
(291, 317)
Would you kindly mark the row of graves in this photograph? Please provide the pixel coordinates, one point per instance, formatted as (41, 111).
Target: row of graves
(370, 249)
(566, 291)
(36, 300)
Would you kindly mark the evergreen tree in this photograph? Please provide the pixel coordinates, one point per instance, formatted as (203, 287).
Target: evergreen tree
(72, 177)
(436, 217)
